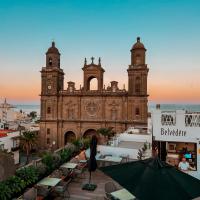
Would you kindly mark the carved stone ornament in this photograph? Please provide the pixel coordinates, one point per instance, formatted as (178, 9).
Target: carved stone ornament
(91, 108)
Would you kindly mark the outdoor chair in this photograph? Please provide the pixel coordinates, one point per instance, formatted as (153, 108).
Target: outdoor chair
(62, 189)
(42, 191)
(110, 187)
(31, 194)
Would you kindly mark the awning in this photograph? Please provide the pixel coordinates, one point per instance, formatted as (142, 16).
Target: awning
(154, 179)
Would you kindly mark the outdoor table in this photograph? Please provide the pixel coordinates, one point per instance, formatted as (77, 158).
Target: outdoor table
(83, 161)
(49, 181)
(69, 165)
(122, 194)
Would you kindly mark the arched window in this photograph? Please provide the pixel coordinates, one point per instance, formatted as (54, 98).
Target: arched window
(50, 61)
(137, 85)
(137, 111)
(92, 83)
(48, 110)
(138, 59)
(48, 131)
(48, 140)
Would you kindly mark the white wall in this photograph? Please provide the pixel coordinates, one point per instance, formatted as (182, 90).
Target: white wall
(117, 151)
(135, 137)
(8, 144)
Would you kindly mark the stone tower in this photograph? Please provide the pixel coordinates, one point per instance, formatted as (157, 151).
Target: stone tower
(137, 81)
(52, 78)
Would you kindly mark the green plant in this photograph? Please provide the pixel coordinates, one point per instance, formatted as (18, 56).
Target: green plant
(142, 151)
(56, 160)
(86, 142)
(6, 192)
(16, 184)
(32, 114)
(48, 160)
(28, 174)
(42, 170)
(28, 140)
(106, 132)
(65, 155)
(77, 143)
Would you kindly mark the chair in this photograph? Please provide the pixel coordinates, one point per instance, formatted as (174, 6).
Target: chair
(62, 189)
(31, 194)
(109, 188)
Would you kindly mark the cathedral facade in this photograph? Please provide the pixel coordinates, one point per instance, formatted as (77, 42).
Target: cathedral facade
(68, 113)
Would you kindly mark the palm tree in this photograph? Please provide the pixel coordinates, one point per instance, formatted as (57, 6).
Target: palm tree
(28, 140)
(106, 132)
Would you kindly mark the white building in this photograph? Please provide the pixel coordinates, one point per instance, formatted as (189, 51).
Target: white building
(8, 113)
(9, 140)
(128, 143)
(177, 135)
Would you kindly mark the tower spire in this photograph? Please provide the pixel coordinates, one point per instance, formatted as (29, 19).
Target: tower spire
(99, 61)
(92, 58)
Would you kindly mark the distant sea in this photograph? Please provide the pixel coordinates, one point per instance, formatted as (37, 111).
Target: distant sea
(188, 107)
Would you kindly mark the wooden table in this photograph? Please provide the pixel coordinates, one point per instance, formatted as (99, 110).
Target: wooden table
(122, 194)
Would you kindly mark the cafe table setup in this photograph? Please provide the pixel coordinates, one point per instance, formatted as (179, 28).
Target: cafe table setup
(69, 165)
(45, 186)
(48, 181)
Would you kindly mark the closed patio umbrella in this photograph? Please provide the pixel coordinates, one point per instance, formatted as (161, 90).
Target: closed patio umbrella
(154, 179)
(92, 163)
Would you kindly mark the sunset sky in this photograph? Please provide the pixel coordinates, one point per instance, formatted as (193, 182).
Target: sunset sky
(169, 29)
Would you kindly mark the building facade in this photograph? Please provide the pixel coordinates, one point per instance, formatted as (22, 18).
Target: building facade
(67, 113)
(176, 133)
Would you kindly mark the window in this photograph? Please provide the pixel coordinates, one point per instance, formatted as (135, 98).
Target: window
(137, 111)
(1, 146)
(48, 110)
(50, 61)
(48, 131)
(138, 59)
(15, 143)
(137, 85)
(48, 140)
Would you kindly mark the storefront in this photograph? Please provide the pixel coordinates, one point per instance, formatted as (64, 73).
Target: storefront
(176, 134)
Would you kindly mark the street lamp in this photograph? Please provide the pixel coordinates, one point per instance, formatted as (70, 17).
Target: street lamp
(53, 145)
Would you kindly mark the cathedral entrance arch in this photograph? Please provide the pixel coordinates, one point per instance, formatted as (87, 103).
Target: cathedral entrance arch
(89, 133)
(69, 137)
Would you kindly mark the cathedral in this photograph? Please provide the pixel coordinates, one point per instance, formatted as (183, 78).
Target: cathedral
(68, 113)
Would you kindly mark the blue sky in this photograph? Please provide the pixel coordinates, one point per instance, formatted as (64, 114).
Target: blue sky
(169, 29)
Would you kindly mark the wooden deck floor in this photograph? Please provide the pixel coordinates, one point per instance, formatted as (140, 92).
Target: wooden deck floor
(98, 178)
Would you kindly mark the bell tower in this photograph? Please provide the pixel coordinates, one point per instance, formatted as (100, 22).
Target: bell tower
(137, 84)
(52, 78)
(137, 71)
(52, 75)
